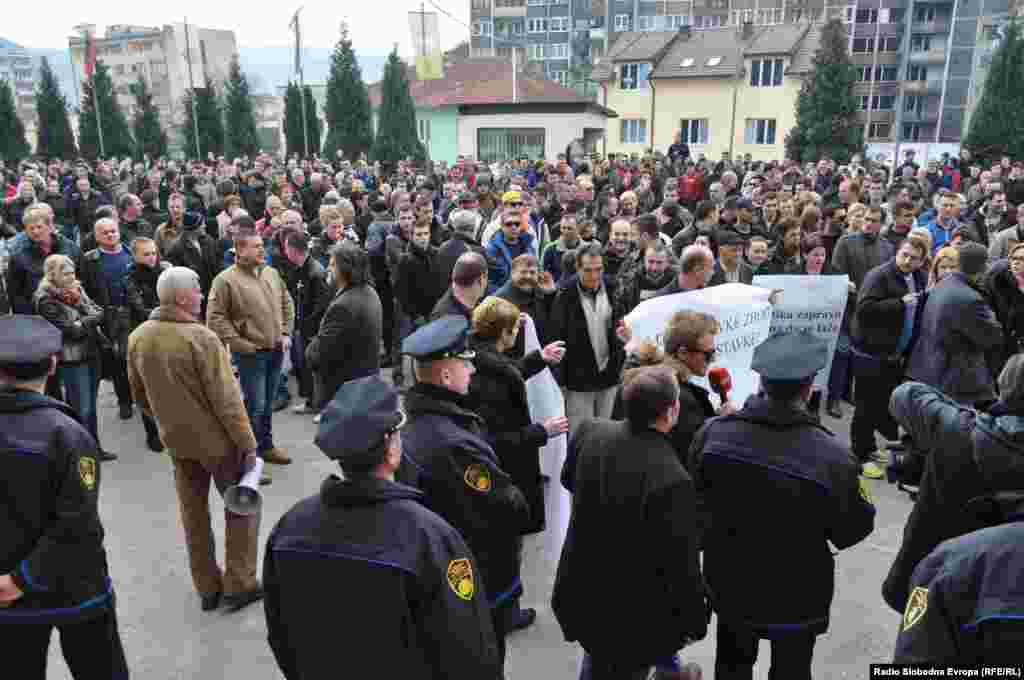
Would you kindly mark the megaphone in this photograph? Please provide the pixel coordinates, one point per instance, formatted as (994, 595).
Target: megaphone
(244, 498)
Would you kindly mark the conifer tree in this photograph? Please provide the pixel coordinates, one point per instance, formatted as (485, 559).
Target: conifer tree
(56, 139)
(996, 127)
(396, 128)
(13, 145)
(117, 137)
(347, 106)
(294, 138)
(313, 125)
(240, 136)
(211, 126)
(150, 137)
(826, 108)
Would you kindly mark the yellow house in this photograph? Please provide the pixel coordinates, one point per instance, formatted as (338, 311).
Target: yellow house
(728, 90)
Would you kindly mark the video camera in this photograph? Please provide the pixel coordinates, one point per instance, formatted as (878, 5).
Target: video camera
(906, 466)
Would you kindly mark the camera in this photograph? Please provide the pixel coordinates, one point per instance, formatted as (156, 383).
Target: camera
(906, 466)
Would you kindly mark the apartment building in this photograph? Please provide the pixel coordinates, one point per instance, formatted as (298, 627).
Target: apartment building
(921, 62)
(161, 56)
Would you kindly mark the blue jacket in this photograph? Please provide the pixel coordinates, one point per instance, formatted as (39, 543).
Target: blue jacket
(501, 254)
(940, 234)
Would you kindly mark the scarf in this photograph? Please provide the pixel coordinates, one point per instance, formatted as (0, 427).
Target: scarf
(46, 248)
(69, 296)
(598, 312)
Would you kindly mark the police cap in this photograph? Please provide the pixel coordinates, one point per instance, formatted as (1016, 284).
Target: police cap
(358, 418)
(26, 339)
(790, 357)
(444, 338)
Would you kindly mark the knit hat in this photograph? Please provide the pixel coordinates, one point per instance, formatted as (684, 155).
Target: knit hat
(973, 258)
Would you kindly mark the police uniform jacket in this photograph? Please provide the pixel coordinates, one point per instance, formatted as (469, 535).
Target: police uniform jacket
(767, 559)
(967, 454)
(52, 535)
(399, 582)
(966, 605)
(446, 456)
(628, 585)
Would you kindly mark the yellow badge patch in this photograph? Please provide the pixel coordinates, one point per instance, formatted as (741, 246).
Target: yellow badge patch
(460, 578)
(865, 491)
(478, 478)
(87, 472)
(917, 605)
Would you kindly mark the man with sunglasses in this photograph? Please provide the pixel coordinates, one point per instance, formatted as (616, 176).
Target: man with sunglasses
(366, 545)
(508, 244)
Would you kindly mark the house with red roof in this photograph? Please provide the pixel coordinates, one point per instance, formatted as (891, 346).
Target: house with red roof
(480, 109)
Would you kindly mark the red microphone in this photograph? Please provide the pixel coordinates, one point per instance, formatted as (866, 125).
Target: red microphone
(721, 382)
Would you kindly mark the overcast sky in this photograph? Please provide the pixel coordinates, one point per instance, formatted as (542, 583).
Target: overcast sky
(376, 25)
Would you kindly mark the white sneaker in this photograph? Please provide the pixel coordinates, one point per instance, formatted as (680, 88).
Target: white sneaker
(316, 419)
(303, 409)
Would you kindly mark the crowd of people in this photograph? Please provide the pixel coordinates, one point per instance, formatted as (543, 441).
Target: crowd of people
(201, 289)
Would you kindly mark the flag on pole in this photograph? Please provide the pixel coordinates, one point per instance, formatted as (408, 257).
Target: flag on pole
(90, 55)
(426, 45)
(294, 25)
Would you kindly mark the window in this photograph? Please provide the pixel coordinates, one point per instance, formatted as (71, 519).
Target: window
(766, 72)
(890, 43)
(536, 25)
(558, 24)
(866, 16)
(760, 131)
(896, 14)
(621, 22)
(423, 128)
(646, 23)
(495, 145)
(713, 61)
(674, 22)
(695, 130)
(634, 76)
(879, 130)
(883, 102)
(915, 72)
(119, 69)
(536, 2)
(634, 131)
(687, 63)
(769, 16)
(863, 44)
(911, 132)
(913, 103)
(924, 14)
(482, 27)
(535, 52)
(559, 51)
(886, 73)
(920, 43)
(561, 77)
(864, 74)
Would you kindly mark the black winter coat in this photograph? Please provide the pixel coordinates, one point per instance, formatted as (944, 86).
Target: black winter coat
(632, 544)
(25, 269)
(207, 260)
(53, 537)
(449, 252)
(141, 287)
(535, 303)
(578, 371)
(791, 473)
(417, 283)
(881, 310)
(347, 344)
(445, 455)
(310, 293)
(1008, 303)
(397, 577)
(498, 394)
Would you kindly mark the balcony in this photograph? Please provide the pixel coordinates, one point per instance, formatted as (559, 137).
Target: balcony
(920, 116)
(931, 27)
(922, 87)
(936, 55)
(509, 8)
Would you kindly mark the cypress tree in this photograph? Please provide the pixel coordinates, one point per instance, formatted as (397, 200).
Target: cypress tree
(117, 137)
(826, 108)
(313, 124)
(13, 145)
(150, 137)
(396, 128)
(56, 139)
(996, 127)
(295, 142)
(211, 126)
(347, 105)
(240, 118)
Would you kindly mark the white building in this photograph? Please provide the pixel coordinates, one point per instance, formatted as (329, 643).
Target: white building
(19, 69)
(161, 56)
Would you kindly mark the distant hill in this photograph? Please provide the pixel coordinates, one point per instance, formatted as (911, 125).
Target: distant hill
(267, 67)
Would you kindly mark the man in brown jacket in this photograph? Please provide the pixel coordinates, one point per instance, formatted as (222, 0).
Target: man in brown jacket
(251, 311)
(181, 374)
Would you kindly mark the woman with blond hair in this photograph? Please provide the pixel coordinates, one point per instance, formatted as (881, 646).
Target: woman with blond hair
(497, 393)
(945, 261)
(61, 300)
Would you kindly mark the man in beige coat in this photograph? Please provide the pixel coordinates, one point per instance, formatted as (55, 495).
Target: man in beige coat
(252, 312)
(181, 374)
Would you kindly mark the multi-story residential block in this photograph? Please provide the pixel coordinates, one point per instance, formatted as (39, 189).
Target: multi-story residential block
(20, 69)
(161, 56)
(921, 62)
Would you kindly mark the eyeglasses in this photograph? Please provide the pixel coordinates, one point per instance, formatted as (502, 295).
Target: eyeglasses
(709, 354)
(511, 224)
(514, 205)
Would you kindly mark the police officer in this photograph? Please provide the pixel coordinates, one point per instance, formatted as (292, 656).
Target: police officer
(448, 458)
(53, 567)
(397, 578)
(777, 489)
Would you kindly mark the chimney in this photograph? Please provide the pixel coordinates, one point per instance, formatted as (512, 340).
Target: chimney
(748, 30)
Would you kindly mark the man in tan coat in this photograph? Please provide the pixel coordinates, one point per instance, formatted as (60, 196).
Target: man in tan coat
(181, 374)
(252, 312)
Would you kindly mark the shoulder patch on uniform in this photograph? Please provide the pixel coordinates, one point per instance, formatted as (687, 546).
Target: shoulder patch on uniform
(460, 578)
(865, 491)
(87, 472)
(478, 478)
(917, 605)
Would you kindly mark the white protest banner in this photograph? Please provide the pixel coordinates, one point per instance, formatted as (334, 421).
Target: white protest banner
(810, 304)
(743, 312)
(545, 400)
